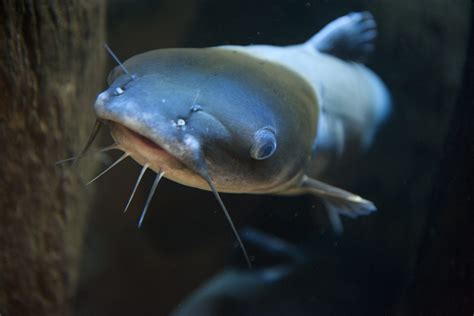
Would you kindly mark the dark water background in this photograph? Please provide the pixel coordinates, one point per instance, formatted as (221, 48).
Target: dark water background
(413, 257)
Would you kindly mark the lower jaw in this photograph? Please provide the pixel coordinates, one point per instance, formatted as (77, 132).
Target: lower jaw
(146, 152)
(142, 149)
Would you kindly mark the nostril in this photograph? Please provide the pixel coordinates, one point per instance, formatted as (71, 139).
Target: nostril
(181, 123)
(196, 108)
(119, 91)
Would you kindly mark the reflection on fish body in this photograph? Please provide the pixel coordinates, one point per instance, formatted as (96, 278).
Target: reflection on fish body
(252, 119)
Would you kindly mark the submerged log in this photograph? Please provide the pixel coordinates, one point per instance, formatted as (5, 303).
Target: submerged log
(51, 65)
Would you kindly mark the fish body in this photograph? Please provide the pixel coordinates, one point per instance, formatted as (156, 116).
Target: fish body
(223, 97)
(252, 119)
(352, 101)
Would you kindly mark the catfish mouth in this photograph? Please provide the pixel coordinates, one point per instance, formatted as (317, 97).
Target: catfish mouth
(144, 149)
(143, 139)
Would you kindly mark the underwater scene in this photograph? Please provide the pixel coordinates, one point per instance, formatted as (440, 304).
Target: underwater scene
(281, 157)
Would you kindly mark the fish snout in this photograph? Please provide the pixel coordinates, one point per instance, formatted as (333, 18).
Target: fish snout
(102, 98)
(101, 102)
(116, 105)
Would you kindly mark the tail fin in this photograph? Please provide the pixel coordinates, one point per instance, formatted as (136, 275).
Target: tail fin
(350, 37)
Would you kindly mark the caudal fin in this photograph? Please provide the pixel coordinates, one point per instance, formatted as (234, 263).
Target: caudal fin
(350, 37)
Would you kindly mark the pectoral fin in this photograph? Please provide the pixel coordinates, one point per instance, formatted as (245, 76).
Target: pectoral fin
(337, 201)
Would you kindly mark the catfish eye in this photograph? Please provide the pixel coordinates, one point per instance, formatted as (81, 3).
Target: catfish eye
(264, 144)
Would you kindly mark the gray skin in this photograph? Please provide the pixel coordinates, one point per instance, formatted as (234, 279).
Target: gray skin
(252, 119)
(224, 98)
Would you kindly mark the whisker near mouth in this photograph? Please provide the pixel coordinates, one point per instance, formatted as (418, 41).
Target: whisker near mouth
(150, 196)
(117, 60)
(95, 131)
(140, 176)
(229, 220)
(198, 163)
(102, 150)
(109, 168)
